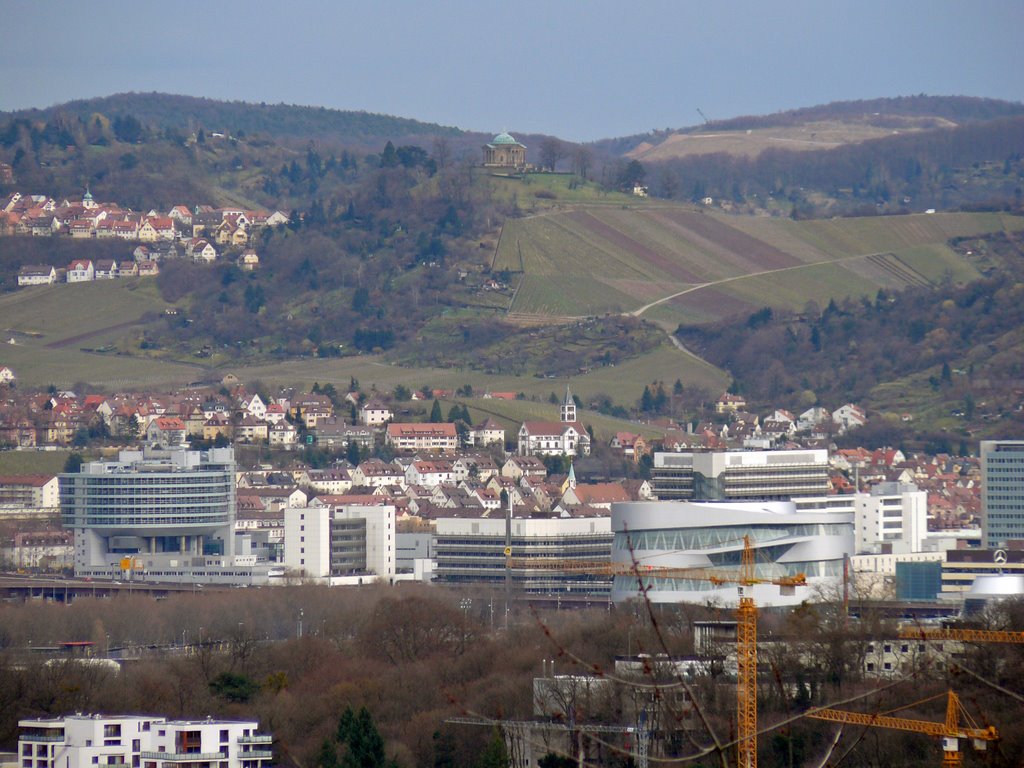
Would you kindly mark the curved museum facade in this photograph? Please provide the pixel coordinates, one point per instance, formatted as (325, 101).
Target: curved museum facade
(685, 534)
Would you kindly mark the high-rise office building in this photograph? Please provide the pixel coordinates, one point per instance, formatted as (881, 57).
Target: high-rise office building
(161, 515)
(1002, 492)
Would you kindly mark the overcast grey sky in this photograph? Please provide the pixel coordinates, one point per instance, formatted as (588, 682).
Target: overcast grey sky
(579, 70)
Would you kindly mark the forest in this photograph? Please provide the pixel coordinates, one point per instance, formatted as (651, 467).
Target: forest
(413, 657)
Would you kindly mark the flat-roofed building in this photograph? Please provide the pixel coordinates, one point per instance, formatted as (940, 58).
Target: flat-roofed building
(1002, 492)
(740, 475)
(141, 741)
(471, 550)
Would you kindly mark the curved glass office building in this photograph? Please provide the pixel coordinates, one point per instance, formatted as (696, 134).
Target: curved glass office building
(166, 509)
(685, 534)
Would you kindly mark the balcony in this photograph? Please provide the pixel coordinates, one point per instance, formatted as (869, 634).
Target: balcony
(184, 757)
(256, 739)
(41, 737)
(256, 754)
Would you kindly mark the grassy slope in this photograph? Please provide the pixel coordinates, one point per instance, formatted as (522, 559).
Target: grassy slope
(32, 462)
(652, 252)
(53, 324)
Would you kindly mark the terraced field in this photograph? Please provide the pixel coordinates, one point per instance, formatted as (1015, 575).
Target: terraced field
(675, 264)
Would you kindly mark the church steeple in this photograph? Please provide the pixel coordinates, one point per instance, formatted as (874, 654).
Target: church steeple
(568, 409)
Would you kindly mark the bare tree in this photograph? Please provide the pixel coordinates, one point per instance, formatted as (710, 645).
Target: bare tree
(442, 151)
(581, 161)
(551, 151)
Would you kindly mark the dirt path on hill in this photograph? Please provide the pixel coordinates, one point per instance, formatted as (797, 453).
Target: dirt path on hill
(83, 336)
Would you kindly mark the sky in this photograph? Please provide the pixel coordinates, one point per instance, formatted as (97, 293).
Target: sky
(579, 70)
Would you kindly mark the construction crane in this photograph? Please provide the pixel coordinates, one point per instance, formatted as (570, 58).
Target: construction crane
(949, 731)
(965, 635)
(746, 620)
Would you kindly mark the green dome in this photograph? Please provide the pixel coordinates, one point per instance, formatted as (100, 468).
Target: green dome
(503, 138)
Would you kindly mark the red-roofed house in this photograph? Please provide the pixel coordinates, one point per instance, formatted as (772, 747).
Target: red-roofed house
(436, 437)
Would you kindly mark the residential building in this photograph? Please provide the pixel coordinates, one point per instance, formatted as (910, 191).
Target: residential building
(739, 475)
(703, 535)
(141, 741)
(80, 271)
(438, 437)
(490, 432)
(1002, 492)
(37, 274)
(374, 413)
(29, 492)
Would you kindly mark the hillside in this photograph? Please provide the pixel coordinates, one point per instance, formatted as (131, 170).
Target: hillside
(946, 356)
(839, 122)
(238, 118)
(679, 265)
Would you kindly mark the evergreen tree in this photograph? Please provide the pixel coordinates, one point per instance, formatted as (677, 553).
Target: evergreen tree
(435, 412)
(365, 746)
(495, 754)
(328, 756)
(352, 453)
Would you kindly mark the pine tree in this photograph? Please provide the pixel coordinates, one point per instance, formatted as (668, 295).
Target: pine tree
(435, 413)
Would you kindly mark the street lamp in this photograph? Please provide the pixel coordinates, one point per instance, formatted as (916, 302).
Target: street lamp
(301, 614)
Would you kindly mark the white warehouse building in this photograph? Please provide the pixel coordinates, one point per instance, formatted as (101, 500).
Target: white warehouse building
(141, 741)
(685, 534)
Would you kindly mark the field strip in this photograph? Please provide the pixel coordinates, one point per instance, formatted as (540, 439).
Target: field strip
(693, 289)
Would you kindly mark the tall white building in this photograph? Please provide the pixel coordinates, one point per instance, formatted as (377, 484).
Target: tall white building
(1002, 492)
(892, 516)
(354, 542)
(141, 741)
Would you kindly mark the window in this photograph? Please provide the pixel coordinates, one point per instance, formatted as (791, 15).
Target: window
(136, 745)
(223, 735)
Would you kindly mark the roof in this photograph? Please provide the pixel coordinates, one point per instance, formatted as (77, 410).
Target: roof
(444, 429)
(504, 138)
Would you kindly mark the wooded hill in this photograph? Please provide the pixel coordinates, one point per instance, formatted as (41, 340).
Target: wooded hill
(239, 118)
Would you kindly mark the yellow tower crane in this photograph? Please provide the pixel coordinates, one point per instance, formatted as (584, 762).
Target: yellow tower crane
(965, 635)
(746, 620)
(949, 731)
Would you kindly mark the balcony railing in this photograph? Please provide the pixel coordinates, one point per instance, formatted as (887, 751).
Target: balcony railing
(256, 754)
(256, 739)
(184, 757)
(41, 737)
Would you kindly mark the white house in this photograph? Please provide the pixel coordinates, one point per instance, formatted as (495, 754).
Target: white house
(80, 271)
(37, 274)
(374, 413)
(849, 416)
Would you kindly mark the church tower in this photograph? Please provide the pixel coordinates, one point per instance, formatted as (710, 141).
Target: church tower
(568, 410)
